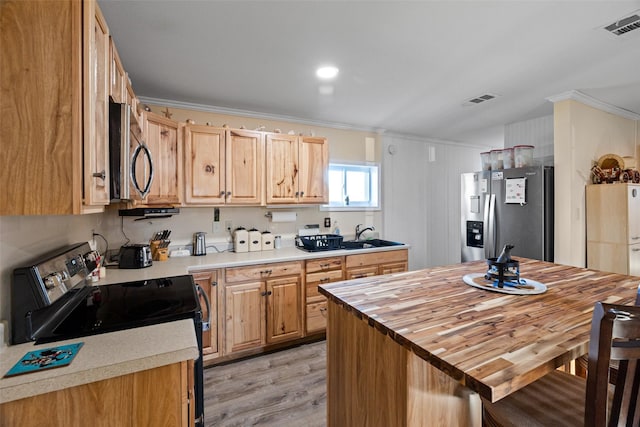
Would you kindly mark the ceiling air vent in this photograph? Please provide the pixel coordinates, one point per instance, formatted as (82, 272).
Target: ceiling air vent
(624, 25)
(480, 99)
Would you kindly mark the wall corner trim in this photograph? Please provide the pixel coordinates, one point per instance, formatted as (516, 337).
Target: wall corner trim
(576, 95)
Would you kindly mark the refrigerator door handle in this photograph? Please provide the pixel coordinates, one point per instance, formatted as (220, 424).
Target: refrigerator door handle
(490, 226)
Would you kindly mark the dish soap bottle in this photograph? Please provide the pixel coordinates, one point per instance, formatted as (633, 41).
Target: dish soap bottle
(336, 229)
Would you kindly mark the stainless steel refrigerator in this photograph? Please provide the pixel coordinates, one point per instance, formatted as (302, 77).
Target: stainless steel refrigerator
(507, 206)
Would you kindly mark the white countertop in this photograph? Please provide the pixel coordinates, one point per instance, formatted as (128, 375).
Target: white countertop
(101, 357)
(191, 264)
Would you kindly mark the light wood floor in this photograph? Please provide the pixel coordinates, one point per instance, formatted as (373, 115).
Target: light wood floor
(283, 389)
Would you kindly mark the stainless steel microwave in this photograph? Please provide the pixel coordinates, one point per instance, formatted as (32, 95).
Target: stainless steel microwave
(130, 160)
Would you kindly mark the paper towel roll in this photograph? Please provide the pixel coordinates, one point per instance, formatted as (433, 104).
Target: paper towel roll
(283, 216)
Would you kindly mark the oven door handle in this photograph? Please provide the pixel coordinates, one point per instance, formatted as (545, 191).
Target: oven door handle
(206, 324)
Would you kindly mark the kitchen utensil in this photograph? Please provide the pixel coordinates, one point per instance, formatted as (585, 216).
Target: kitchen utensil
(199, 244)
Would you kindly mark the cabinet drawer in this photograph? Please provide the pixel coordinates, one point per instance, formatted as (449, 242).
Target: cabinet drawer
(315, 279)
(262, 272)
(376, 258)
(316, 317)
(357, 273)
(397, 267)
(324, 264)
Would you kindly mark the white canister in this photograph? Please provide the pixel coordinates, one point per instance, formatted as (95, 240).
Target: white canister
(267, 241)
(241, 240)
(255, 240)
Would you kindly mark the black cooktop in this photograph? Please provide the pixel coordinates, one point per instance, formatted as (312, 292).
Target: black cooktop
(128, 305)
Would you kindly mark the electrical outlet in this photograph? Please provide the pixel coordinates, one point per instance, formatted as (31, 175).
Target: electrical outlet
(228, 225)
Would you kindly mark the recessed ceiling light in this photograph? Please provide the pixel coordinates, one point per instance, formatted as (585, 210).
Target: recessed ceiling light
(327, 72)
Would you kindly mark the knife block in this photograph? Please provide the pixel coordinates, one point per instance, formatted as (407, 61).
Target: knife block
(158, 253)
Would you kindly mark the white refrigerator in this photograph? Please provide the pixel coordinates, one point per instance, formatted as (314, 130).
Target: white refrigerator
(512, 206)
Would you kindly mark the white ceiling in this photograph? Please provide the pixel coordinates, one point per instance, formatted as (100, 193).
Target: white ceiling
(405, 66)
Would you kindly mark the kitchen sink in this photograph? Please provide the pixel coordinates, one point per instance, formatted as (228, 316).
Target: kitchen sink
(371, 243)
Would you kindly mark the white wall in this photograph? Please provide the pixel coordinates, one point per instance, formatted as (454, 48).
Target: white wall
(581, 135)
(421, 190)
(537, 132)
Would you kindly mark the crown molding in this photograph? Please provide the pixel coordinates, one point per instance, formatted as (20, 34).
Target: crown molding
(576, 95)
(255, 114)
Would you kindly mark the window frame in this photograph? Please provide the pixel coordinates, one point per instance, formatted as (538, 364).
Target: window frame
(353, 165)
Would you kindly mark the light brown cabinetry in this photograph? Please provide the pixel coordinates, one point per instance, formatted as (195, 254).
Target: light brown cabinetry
(208, 283)
(318, 272)
(163, 137)
(117, 75)
(223, 166)
(54, 105)
(263, 305)
(159, 396)
(373, 264)
(613, 228)
(297, 169)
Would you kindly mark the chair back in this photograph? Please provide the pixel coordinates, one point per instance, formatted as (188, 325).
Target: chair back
(615, 335)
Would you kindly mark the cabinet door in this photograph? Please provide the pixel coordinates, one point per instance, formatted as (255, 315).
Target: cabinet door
(316, 317)
(313, 182)
(204, 165)
(96, 122)
(633, 215)
(164, 141)
(208, 281)
(634, 260)
(282, 168)
(244, 167)
(284, 309)
(117, 75)
(244, 316)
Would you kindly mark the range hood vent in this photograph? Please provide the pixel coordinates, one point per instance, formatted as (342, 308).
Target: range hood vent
(624, 25)
(148, 213)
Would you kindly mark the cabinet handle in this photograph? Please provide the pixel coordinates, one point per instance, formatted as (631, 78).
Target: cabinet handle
(323, 311)
(266, 271)
(297, 193)
(102, 175)
(325, 280)
(635, 250)
(635, 238)
(222, 193)
(301, 193)
(264, 294)
(323, 266)
(210, 169)
(228, 193)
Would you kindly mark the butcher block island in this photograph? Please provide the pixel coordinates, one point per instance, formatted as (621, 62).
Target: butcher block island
(419, 348)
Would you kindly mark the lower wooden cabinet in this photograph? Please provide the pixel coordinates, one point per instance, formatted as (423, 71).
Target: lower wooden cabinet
(268, 304)
(208, 282)
(159, 396)
(266, 309)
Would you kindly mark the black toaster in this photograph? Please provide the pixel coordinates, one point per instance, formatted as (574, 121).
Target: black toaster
(135, 256)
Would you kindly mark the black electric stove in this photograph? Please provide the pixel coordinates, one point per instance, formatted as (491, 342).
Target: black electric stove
(52, 299)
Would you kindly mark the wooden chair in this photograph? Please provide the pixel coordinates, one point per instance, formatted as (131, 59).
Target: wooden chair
(581, 363)
(562, 399)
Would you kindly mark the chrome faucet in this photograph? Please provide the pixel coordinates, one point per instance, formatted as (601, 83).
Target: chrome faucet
(360, 231)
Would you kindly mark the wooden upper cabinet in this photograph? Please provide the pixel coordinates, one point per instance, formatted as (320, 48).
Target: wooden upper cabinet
(55, 104)
(204, 164)
(297, 169)
(244, 183)
(164, 139)
(96, 107)
(117, 75)
(313, 181)
(282, 168)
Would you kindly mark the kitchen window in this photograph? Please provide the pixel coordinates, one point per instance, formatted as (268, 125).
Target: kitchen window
(353, 186)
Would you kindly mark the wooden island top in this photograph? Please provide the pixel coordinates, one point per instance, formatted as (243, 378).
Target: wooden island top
(492, 343)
